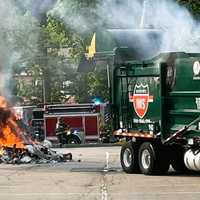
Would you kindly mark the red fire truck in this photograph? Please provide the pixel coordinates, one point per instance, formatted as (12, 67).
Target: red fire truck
(84, 121)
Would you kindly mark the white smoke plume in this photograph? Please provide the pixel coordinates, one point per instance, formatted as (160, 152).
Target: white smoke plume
(18, 41)
(38, 8)
(75, 19)
(181, 31)
(19, 28)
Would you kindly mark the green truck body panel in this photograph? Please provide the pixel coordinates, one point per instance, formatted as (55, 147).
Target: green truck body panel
(150, 91)
(159, 95)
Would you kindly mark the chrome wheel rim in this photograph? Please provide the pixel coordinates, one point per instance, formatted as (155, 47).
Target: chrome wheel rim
(127, 158)
(146, 159)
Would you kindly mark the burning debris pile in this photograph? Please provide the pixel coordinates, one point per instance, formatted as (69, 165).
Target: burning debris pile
(32, 153)
(16, 146)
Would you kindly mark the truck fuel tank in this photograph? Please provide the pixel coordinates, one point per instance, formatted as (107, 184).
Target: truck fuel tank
(192, 159)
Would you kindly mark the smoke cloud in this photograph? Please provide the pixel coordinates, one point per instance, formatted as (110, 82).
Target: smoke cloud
(38, 8)
(18, 41)
(80, 19)
(180, 30)
(19, 25)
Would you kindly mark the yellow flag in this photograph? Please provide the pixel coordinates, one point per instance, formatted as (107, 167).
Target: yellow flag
(92, 48)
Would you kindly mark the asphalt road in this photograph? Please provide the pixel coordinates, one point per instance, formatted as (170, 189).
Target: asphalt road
(94, 173)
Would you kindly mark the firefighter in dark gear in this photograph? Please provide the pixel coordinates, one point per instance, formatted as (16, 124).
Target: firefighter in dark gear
(62, 130)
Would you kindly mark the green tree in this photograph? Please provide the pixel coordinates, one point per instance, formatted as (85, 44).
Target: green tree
(192, 5)
(18, 43)
(67, 30)
(61, 57)
(43, 53)
(97, 82)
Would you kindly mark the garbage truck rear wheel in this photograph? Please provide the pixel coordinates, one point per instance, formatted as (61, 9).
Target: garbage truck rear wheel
(129, 157)
(152, 159)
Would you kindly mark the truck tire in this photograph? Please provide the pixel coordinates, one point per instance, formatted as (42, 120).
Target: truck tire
(129, 157)
(152, 159)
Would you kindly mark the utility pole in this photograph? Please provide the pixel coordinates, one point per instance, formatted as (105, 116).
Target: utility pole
(39, 10)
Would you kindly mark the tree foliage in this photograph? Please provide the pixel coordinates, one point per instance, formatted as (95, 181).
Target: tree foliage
(98, 84)
(192, 5)
(61, 42)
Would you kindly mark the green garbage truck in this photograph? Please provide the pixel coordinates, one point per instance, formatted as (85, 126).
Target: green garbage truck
(154, 98)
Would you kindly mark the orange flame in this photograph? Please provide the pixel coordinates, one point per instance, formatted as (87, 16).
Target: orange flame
(10, 134)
